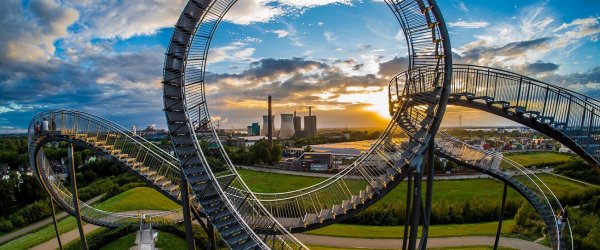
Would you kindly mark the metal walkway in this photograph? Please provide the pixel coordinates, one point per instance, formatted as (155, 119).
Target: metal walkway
(570, 118)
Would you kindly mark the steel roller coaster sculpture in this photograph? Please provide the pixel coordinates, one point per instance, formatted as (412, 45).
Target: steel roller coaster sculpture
(202, 178)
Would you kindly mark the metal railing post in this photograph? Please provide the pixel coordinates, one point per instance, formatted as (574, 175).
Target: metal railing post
(502, 210)
(408, 207)
(71, 169)
(428, 194)
(187, 217)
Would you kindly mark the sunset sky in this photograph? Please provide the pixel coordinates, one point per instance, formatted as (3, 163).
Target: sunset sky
(106, 56)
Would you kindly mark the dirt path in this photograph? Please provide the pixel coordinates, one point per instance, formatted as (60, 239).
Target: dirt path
(431, 243)
(65, 238)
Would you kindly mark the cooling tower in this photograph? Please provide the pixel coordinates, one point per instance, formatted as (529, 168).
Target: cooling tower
(265, 127)
(287, 126)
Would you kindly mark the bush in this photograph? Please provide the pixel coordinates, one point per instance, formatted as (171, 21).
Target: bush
(528, 223)
(579, 170)
(394, 214)
(5, 226)
(17, 220)
(31, 213)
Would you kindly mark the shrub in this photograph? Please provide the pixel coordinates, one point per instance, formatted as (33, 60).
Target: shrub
(17, 220)
(5, 226)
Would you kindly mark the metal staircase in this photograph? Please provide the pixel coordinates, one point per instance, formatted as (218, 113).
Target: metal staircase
(571, 118)
(131, 152)
(243, 219)
(530, 186)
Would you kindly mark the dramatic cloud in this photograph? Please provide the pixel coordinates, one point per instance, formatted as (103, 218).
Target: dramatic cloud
(124, 19)
(537, 68)
(482, 53)
(585, 82)
(393, 67)
(468, 25)
(28, 33)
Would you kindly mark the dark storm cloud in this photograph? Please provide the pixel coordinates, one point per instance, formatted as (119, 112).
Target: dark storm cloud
(537, 68)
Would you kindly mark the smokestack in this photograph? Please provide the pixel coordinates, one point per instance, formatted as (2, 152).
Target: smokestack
(309, 111)
(270, 125)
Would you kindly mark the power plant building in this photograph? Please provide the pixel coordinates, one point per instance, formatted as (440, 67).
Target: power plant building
(310, 124)
(287, 126)
(297, 125)
(254, 129)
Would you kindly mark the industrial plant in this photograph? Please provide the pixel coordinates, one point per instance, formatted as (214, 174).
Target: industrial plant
(290, 125)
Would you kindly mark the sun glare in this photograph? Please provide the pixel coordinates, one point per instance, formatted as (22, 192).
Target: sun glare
(379, 103)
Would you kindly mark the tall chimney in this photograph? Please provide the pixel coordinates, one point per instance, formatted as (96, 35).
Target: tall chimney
(309, 110)
(270, 125)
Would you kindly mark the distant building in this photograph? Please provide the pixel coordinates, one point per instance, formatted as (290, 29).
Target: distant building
(152, 132)
(310, 124)
(254, 129)
(245, 141)
(314, 161)
(297, 125)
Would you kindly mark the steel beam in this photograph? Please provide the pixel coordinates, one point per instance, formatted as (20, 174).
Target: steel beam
(408, 207)
(416, 209)
(428, 194)
(212, 238)
(60, 247)
(71, 169)
(502, 210)
(187, 217)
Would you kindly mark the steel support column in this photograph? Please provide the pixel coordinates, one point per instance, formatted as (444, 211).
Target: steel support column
(408, 207)
(502, 210)
(416, 209)
(212, 239)
(428, 195)
(60, 247)
(187, 217)
(71, 169)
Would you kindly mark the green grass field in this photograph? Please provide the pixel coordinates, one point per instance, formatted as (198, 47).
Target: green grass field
(449, 191)
(396, 232)
(141, 198)
(529, 159)
(130, 200)
(263, 182)
(170, 241)
(482, 190)
(445, 248)
(124, 242)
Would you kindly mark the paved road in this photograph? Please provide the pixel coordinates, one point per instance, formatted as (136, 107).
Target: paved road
(39, 224)
(431, 243)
